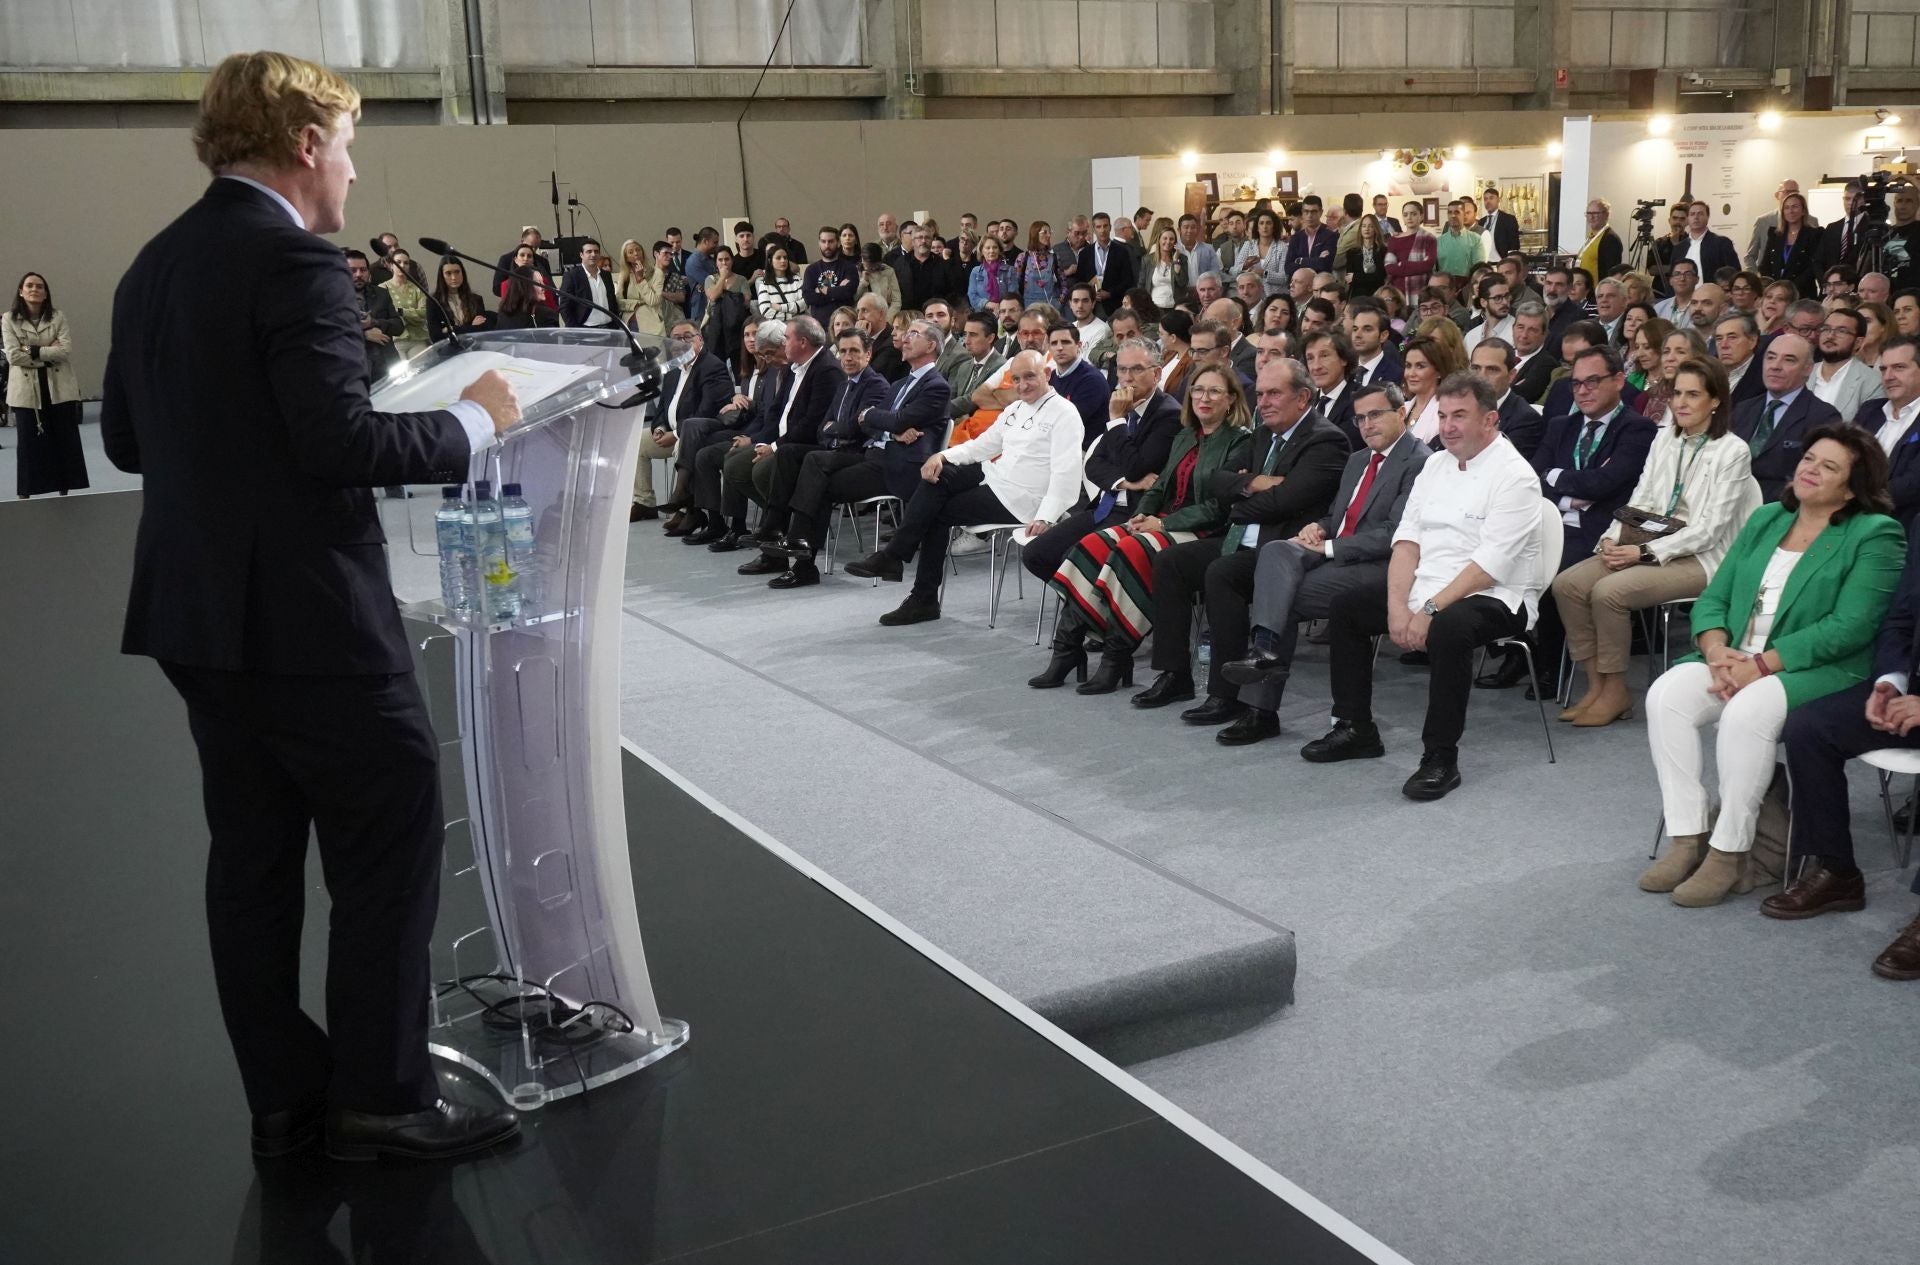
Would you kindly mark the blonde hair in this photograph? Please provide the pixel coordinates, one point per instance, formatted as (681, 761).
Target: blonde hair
(256, 105)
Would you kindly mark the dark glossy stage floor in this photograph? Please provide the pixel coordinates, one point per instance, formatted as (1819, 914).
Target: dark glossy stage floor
(844, 1097)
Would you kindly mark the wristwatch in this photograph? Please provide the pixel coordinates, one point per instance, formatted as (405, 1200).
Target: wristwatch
(1428, 609)
(1646, 557)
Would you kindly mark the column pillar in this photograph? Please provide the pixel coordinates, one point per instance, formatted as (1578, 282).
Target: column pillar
(1244, 45)
(894, 47)
(469, 32)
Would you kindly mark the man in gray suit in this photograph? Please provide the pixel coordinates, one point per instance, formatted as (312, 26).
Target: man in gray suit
(978, 364)
(1297, 579)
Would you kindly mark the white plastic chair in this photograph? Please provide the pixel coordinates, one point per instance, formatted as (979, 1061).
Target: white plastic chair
(1550, 537)
(1003, 545)
(844, 510)
(1888, 761)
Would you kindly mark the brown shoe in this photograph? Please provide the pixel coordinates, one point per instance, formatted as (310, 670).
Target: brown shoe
(1817, 891)
(641, 513)
(1719, 874)
(1901, 959)
(1683, 857)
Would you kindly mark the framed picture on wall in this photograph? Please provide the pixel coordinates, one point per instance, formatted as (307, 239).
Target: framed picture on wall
(1430, 210)
(1287, 183)
(1211, 181)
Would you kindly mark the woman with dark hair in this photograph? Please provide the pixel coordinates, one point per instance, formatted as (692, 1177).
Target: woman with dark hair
(1106, 583)
(1429, 360)
(518, 309)
(541, 305)
(407, 287)
(778, 293)
(878, 278)
(1141, 304)
(1176, 358)
(1265, 252)
(1365, 263)
(1275, 315)
(1699, 473)
(1039, 274)
(457, 298)
(1744, 291)
(1791, 247)
(1636, 315)
(43, 391)
(849, 242)
(1789, 616)
(1878, 318)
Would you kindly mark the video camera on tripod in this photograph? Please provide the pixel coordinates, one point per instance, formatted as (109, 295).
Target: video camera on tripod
(1643, 209)
(1870, 235)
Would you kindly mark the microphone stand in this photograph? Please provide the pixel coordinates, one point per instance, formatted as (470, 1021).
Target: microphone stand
(380, 248)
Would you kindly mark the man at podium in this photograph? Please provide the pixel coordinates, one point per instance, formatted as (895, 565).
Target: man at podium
(260, 584)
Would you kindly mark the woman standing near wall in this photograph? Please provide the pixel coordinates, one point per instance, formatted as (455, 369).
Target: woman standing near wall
(408, 290)
(43, 391)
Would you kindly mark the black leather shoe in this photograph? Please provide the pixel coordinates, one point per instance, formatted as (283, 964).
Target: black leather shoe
(678, 523)
(731, 541)
(880, 565)
(790, 547)
(763, 564)
(642, 513)
(1512, 671)
(766, 536)
(1254, 725)
(705, 535)
(1258, 668)
(279, 1133)
(1215, 711)
(915, 610)
(798, 575)
(1415, 659)
(1168, 687)
(1436, 776)
(441, 1131)
(1344, 742)
(1543, 689)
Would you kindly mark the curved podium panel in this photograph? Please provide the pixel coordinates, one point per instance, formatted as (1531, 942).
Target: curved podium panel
(541, 979)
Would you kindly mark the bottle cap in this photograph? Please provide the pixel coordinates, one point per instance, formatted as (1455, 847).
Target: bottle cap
(482, 490)
(450, 493)
(510, 489)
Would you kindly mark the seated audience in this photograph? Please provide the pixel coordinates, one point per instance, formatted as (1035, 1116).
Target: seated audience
(1493, 363)
(765, 468)
(997, 392)
(1074, 377)
(1841, 380)
(1697, 491)
(1105, 583)
(1533, 364)
(1776, 422)
(1891, 420)
(1465, 571)
(1024, 469)
(694, 388)
(745, 421)
(1789, 617)
(465, 308)
(1428, 361)
(1735, 339)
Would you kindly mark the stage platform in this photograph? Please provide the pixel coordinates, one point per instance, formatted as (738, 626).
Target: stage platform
(850, 1094)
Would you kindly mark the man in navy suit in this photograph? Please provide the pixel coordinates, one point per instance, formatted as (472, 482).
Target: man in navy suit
(585, 284)
(1775, 422)
(1492, 362)
(1892, 418)
(1705, 247)
(1367, 330)
(1820, 737)
(272, 613)
(1574, 340)
(1736, 337)
(1533, 364)
(765, 469)
(1330, 363)
(1313, 246)
(1106, 265)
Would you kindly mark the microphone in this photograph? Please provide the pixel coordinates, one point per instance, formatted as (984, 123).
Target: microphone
(453, 332)
(637, 357)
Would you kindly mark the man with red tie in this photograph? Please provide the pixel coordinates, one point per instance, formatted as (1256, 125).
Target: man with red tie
(1297, 579)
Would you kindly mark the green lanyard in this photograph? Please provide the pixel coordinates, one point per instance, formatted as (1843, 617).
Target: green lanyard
(1680, 474)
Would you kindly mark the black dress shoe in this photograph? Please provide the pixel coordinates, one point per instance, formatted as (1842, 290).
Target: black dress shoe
(1215, 711)
(1168, 687)
(1254, 725)
(705, 535)
(790, 547)
(1258, 668)
(1415, 659)
(880, 565)
(763, 564)
(730, 542)
(1543, 689)
(279, 1133)
(441, 1131)
(915, 610)
(1436, 775)
(642, 513)
(798, 575)
(766, 536)
(1344, 742)
(1512, 671)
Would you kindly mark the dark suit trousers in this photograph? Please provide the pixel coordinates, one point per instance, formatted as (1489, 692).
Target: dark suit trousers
(960, 499)
(1820, 737)
(1290, 584)
(696, 433)
(1050, 548)
(828, 477)
(355, 759)
(1360, 614)
(788, 462)
(1181, 573)
(709, 464)
(744, 480)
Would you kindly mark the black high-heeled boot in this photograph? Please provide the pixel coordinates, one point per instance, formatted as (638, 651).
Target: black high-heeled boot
(1115, 670)
(1069, 655)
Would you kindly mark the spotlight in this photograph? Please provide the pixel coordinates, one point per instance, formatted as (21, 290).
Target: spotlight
(1660, 125)
(1553, 149)
(1386, 155)
(1769, 120)
(1188, 158)
(1462, 151)
(1884, 116)
(1275, 157)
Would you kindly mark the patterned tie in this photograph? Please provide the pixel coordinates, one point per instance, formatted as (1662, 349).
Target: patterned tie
(1583, 449)
(1109, 498)
(1237, 533)
(1764, 431)
(1355, 507)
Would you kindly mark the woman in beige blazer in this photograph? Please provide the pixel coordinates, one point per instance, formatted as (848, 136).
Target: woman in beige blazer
(43, 391)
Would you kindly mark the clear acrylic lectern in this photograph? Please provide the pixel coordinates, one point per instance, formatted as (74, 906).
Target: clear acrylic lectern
(541, 981)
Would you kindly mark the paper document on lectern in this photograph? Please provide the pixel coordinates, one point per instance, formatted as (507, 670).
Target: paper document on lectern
(438, 385)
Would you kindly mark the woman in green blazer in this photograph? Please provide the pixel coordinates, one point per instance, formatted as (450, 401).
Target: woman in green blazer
(1789, 616)
(1106, 582)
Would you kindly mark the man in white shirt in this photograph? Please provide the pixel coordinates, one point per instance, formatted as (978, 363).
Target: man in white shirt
(1025, 468)
(1496, 320)
(1096, 336)
(589, 282)
(1610, 307)
(1841, 380)
(1676, 308)
(1465, 571)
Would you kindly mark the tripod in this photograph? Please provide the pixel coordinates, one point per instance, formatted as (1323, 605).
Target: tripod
(1640, 254)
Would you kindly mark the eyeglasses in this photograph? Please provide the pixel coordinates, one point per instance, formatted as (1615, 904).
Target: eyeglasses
(1209, 393)
(1376, 415)
(1836, 329)
(1198, 350)
(1587, 384)
(1133, 369)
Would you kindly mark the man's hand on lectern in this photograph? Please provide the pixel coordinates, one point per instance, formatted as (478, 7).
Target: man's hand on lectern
(492, 392)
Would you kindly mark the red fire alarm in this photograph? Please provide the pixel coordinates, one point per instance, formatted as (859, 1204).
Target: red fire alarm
(1560, 77)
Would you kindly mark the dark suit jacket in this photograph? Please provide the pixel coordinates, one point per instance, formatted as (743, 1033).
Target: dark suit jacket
(1752, 382)
(505, 266)
(437, 327)
(1315, 251)
(924, 409)
(1118, 278)
(1118, 454)
(1775, 464)
(757, 422)
(1533, 378)
(1612, 470)
(812, 400)
(386, 318)
(841, 426)
(1716, 252)
(1242, 356)
(1905, 480)
(259, 549)
(1521, 424)
(1506, 233)
(1802, 267)
(1311, 462)
(1828, 252)
(1372, 539)
(1559, 401)
(886, 359)
(1388, 370)
(575, 295)
(1341, 415)
(1085, 387)
(705, 396)
(1898, 646)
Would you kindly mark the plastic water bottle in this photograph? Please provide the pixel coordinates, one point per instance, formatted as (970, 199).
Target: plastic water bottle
(1206, 650)
(450, 528)
(517, 516)
(497, 598)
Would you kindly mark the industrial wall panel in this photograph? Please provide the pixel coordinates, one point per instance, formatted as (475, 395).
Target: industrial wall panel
(1037, 33)
(1492, 38)
(736, 32)
(1592, 37)
(642, 33)
(1373, 36)
(1316, 36)
(1890, 40)
(957, 32)
(390, 34)
(38, 33)
(1639, 38)
(825, 33)
(1857, 38)
(557, 33)
(241, 26)
(120, 33)
(1439, 38)
(1186, 35)
(1119, 34)
(1693, 40)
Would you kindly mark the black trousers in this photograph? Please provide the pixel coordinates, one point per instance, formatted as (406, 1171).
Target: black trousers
(1359, 614)
(789, 459)
(1044, 554)
(709, 462)
(829, 477)
(1180, 576)
(353, 758)
(1820, 737)
(960, 499)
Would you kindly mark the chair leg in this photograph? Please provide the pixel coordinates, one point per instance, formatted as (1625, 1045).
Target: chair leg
(1659, 832)
(834, 517)
(997, 551)
(1886, 806)
(1906, 849)
(1545, 728)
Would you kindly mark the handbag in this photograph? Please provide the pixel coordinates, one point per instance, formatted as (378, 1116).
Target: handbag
(1639, 527)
